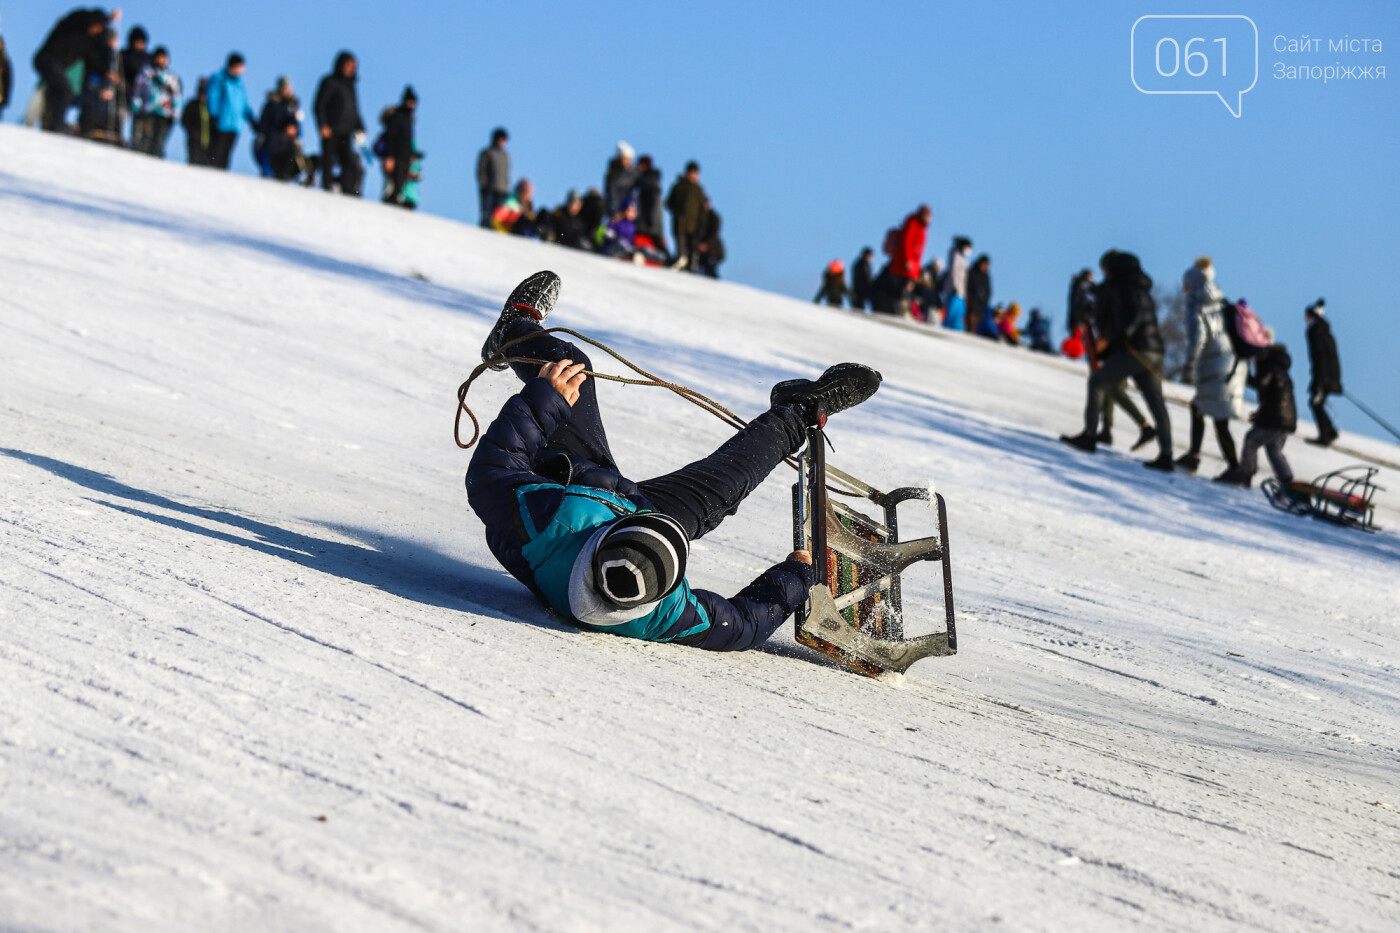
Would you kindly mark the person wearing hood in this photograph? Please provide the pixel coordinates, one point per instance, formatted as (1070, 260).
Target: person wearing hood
(610, 554)
(228, 110)
(1211, 366)
(1326, 371)
(1129, 343)
(620, 180)
(77, 37)
(134, 59)
(1273, 421)
(398, 145)
(338, 118)
(833, 290)
(279, 132)
(155, 100)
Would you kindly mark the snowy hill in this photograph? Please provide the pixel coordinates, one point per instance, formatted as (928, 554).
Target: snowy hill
(258, 670)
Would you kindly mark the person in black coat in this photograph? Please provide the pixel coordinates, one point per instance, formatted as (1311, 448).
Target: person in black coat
(398, 145)
(279, 127)
(1326, 372)
(134, 59)
(862, 280)
(833, 290)
(591, 213)
(651, 218)
(76, 37)
(566, 225)
(1129, 344)
(338, 115)
(1274, 420)
(979, 292)
(709, 247)
(7, 77)
(195, 120)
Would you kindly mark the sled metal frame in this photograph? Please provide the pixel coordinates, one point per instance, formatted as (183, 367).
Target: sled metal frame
(854, 610)
(1343, 497)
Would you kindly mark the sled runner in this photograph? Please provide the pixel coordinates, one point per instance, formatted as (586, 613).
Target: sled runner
(854, 611)
(1343, 497)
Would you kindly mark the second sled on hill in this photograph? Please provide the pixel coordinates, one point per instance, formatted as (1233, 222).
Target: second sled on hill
(854, 610)
(1342, 497)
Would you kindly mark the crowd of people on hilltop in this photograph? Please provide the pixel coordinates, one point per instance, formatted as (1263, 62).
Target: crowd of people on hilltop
(624, 218)
(129, 96)
(1228, 348)
(955, 293)
(1114, 324)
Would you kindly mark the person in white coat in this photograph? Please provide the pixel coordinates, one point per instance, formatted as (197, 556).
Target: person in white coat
(1211, 365)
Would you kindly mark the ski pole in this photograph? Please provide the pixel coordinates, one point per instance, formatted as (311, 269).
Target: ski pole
(1374, 417)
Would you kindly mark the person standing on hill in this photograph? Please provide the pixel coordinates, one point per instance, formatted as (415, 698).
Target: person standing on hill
(862, 280)
(907, 255)
(979, 293)
(338, 117)
(279, 127)
(197, 125)
(1326, 371)
(833, 289)
(651, 216)
(1211, 365)
(686, 202)
(709, 247)
(398, 146)
(620, 179)
(1274, 420)
(7, 77)
(154, 102)
(134, 59)
(1083, 321)
(493, 175)
(1130, 346)
(955, 284)
(77, 37)
(228, 110)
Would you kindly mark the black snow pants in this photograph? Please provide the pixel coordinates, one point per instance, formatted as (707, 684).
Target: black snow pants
(700, 495)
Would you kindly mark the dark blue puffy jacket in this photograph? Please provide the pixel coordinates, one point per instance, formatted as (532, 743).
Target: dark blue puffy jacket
(539, 517)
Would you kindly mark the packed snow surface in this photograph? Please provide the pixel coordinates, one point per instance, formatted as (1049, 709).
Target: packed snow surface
(258, 670)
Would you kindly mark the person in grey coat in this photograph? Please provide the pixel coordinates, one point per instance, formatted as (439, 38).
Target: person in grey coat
(1211, 365)
(493, 175)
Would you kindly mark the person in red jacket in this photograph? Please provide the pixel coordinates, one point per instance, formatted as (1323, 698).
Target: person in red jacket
(908, 256)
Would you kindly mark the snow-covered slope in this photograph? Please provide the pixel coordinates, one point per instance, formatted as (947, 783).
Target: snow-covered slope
(259, 672)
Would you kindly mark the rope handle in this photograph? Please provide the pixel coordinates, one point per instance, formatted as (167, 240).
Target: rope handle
(701, 401)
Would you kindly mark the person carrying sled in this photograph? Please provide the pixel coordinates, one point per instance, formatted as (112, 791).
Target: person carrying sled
(1273, 421)
(1326, 371)
(1211, 365)
(609, 554)
(1130, 347)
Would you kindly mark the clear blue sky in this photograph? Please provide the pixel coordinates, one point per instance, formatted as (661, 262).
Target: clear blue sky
(818, 125)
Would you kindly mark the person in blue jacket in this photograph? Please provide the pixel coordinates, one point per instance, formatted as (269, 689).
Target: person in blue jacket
(609, 554)
(228, 110)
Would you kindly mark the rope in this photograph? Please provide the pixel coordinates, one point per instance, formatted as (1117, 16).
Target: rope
(1374, 417)
(703, 402)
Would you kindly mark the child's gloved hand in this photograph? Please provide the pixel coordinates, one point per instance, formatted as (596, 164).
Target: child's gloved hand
(567, 378)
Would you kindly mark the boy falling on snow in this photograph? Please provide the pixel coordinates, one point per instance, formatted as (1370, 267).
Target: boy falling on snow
(605, 552)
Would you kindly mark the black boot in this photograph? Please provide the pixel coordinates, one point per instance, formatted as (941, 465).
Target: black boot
(1189, 462)
(1147, 435)
(1163, 463)
(1106, 437)
(840, 387)
(532, 298)
(1084, 441)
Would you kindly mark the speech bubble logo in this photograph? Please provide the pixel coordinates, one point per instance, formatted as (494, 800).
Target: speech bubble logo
(1180, 54)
